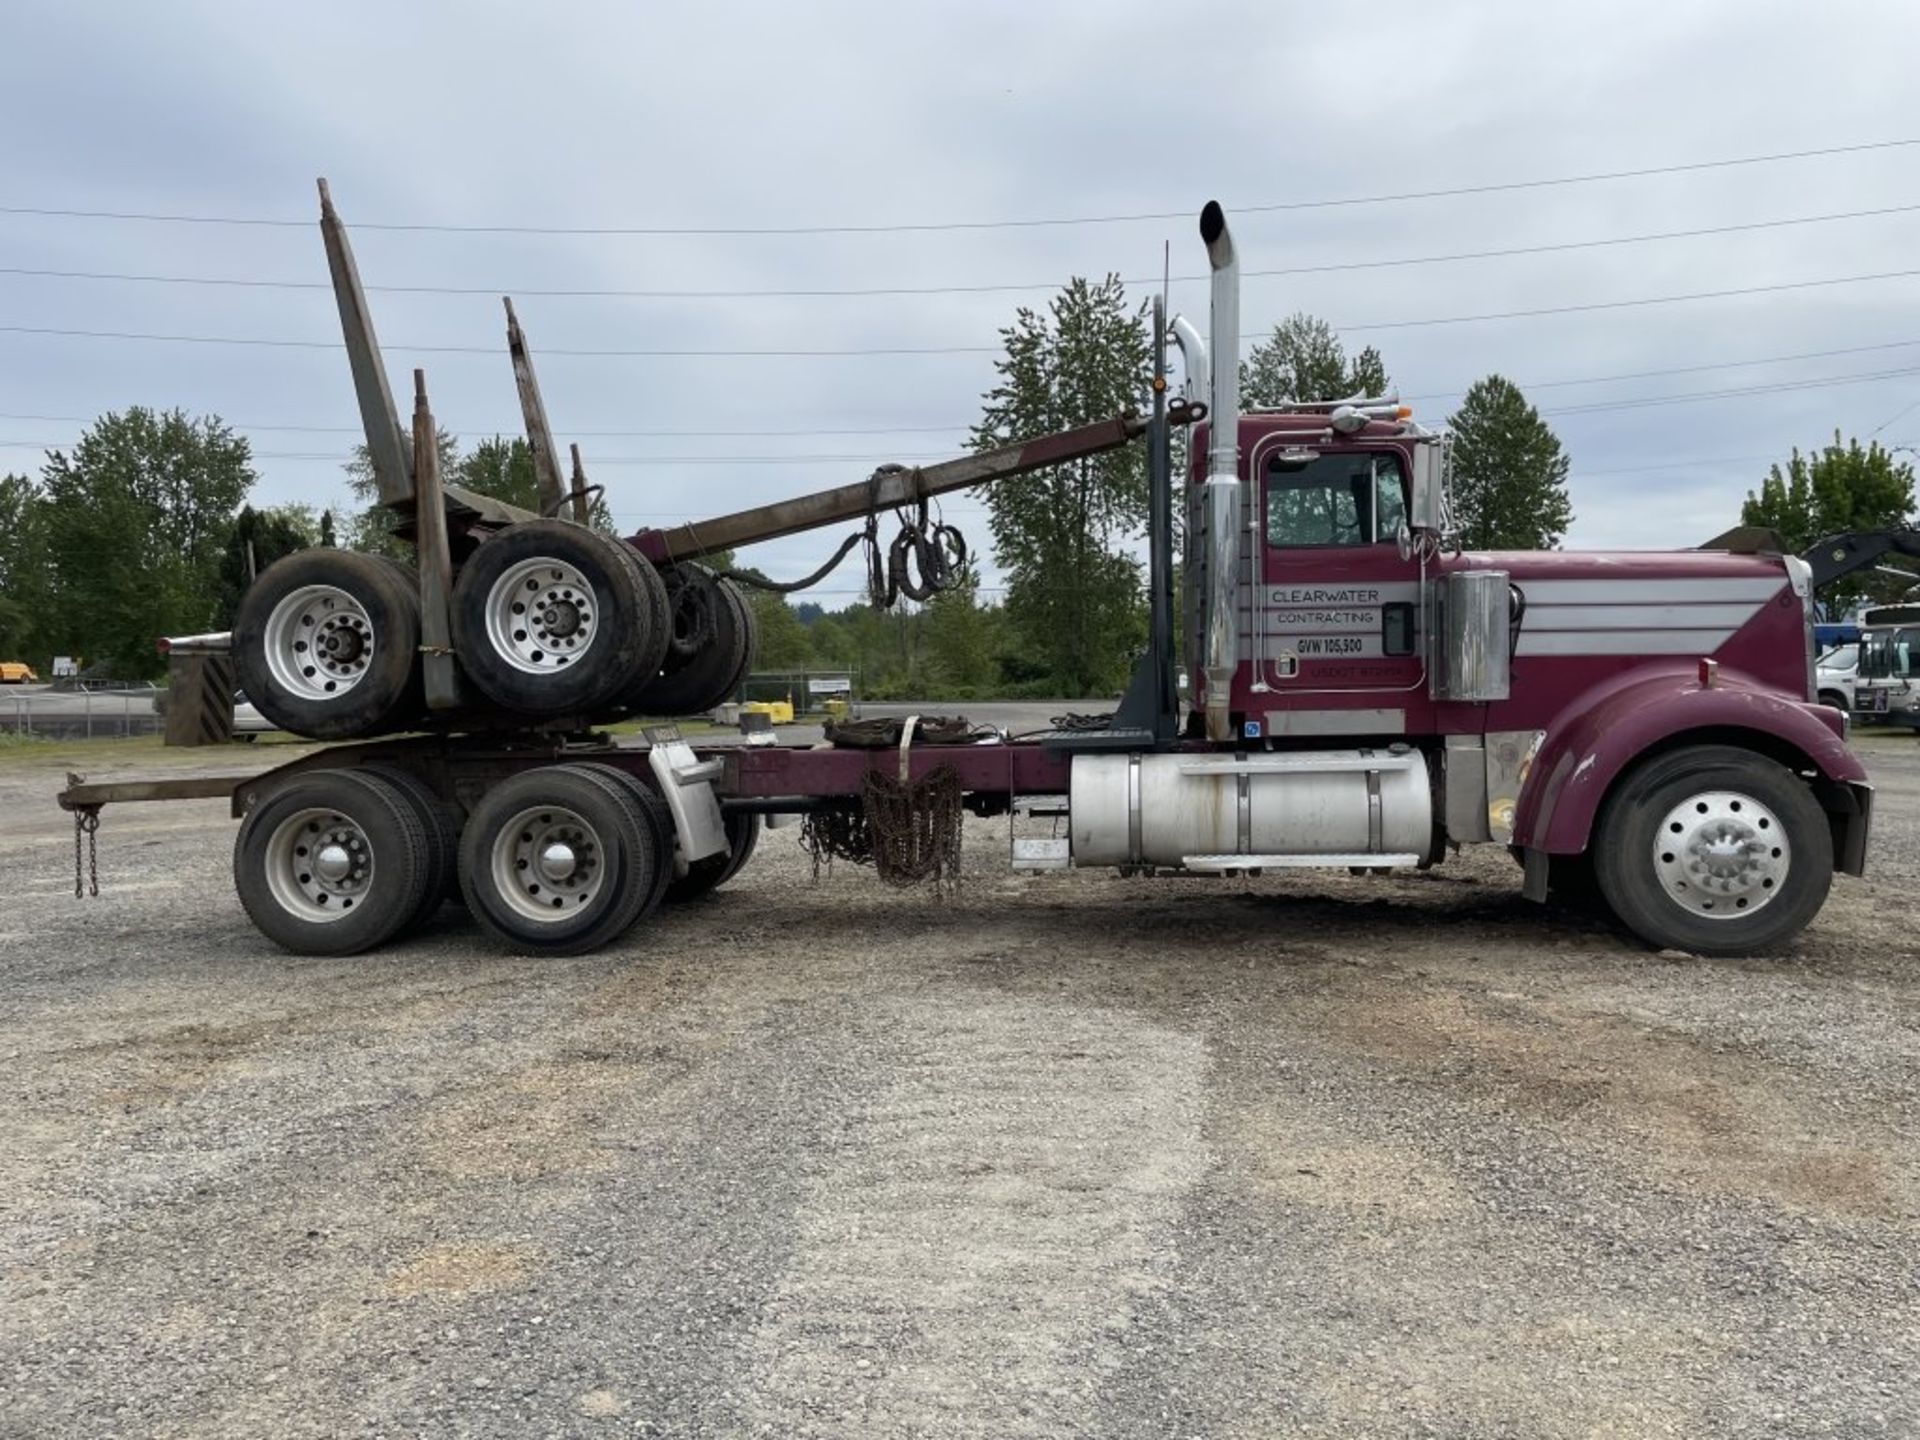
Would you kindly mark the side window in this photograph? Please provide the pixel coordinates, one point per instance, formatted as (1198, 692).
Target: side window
(1356, 498)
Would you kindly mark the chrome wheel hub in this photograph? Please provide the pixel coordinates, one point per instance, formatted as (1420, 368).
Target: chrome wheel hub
(319, 865)
(547, 862)
(541, 616)
(1721, 855)
(318, 642)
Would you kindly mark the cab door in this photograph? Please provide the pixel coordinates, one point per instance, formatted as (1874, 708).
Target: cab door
(1335, 620)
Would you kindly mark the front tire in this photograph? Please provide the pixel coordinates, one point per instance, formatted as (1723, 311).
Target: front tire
(1714, 850)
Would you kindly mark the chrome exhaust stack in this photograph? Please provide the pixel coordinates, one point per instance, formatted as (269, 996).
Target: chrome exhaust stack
(1222, 500)
(1193, 360)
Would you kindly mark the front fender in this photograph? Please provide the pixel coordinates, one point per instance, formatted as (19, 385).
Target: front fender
(1603, 732)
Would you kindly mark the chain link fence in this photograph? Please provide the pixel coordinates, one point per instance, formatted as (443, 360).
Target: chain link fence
(81, 714)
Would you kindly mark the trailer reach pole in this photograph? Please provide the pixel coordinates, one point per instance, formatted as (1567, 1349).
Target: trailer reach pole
(895, 487)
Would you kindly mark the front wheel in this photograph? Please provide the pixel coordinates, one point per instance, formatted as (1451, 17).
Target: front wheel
(1714, 850)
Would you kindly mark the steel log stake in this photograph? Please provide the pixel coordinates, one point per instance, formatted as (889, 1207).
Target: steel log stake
(546, 458)
(387, 443)
(435, 556)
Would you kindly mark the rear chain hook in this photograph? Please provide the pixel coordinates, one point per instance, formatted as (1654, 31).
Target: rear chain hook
(86, 821)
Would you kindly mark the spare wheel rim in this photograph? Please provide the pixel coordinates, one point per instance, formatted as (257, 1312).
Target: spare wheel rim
(318, 643)
(542, 615)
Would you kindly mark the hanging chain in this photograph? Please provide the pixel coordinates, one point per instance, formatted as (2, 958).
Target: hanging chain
(86, 821)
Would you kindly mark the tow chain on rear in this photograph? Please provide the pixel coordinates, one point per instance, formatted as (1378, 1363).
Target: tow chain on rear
(86, 821)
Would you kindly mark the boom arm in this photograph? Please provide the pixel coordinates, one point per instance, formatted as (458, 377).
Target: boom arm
(890, 488)
(1838, 556)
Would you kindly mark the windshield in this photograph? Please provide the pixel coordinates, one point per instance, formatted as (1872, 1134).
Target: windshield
(1355, 498)
(1841, 657)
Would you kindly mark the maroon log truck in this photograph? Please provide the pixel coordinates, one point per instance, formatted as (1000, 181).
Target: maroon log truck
(1636, 726)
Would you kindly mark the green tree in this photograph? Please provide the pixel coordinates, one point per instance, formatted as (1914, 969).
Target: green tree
(1304, 360)
(1834, 490)
(503, 469)
(1509, 472)
(24, 578)
(499, 468)
(785, 644)
(136, 518)
(258, 538)
(833, 647)
(370, 528)
(1073, 595)
(963, 639)
(1369, 374)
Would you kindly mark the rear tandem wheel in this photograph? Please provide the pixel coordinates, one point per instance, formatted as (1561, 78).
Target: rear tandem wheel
(558, 860)
(334, 862)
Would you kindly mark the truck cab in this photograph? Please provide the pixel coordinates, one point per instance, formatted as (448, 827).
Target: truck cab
(1373, 694)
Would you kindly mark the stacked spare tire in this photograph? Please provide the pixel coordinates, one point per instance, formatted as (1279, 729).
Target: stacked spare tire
(552, 624)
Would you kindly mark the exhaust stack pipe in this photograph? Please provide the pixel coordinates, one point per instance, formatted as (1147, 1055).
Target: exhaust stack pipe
(1222, 657)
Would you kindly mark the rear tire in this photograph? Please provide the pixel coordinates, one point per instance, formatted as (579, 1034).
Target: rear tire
(552, 619)
(653, 812)
(326, 644)
(1714, 850)
(334, 862)
(712, 673)
(441, 823)
(556, 861)
(707, 875)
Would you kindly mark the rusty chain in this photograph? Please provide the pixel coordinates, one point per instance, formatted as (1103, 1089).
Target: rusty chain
(86, 821)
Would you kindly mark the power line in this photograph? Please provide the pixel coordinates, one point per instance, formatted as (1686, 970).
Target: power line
(1689, 463)
(695, 461)
(545, 350)
(1686, 397)
(961, 427)
(1270, 207)
(1906, 409)
(582, 434)
(338, 456)
(1679, 369)
(901, 350)
(894, 291)
(1630, 304)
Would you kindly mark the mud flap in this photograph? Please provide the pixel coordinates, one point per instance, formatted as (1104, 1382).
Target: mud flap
(1534, 886)
(685, 782)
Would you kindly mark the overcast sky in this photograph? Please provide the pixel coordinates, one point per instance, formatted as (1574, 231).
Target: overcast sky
(756, 116)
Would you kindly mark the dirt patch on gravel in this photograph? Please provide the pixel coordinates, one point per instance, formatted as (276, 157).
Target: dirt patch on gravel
(455, 1270)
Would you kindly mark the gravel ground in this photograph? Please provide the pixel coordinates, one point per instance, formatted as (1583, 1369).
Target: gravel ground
(1062, 1155)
